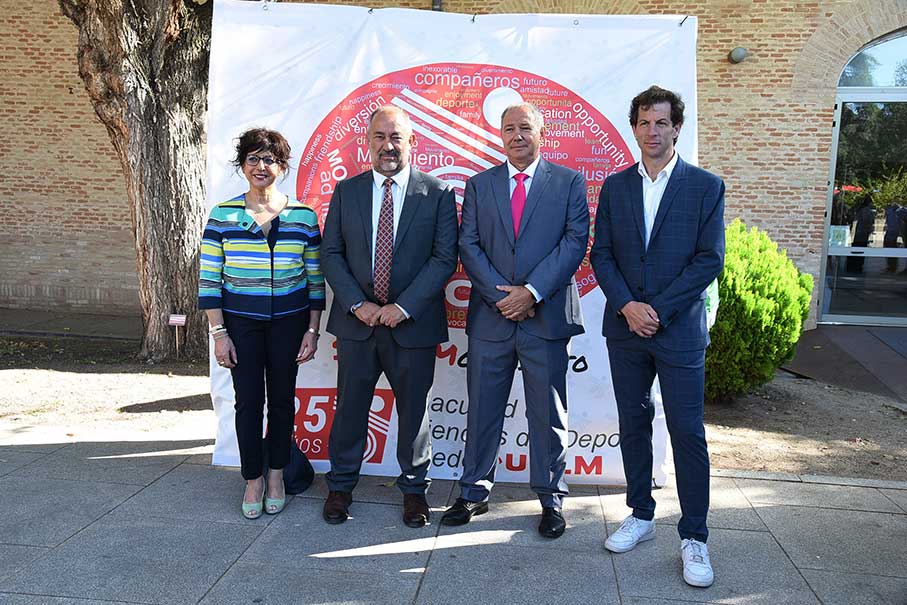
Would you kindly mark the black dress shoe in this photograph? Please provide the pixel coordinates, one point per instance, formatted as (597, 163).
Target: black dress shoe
(337, 507)
(415, 510)
(552, 524)
(462, 511)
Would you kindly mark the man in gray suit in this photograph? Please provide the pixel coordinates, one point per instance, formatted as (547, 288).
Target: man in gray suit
(524, 231)
(389, 247)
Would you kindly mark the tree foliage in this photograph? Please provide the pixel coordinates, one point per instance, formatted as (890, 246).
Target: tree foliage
(871, 142)
(764, 300)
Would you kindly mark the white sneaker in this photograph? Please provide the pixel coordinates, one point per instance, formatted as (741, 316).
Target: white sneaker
(630, 533)
(697, 569)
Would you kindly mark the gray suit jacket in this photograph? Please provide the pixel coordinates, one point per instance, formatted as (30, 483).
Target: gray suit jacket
(553, 235)
(425, 256)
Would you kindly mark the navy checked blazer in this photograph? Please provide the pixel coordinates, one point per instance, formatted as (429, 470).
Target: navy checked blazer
(685, 253)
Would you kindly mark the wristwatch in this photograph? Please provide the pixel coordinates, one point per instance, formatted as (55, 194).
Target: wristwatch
(313, 331)
(355, 307)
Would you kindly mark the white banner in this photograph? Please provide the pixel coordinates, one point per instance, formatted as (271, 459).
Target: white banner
(315, 73)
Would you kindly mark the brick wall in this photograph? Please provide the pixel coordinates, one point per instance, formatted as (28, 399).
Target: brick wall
(765, 126)
(65, 241)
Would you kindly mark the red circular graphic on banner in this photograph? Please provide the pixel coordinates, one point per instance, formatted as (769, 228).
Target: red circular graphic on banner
(456, 112)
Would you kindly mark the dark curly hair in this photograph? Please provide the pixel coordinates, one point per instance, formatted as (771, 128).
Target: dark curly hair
(652, 96)
(262, 139)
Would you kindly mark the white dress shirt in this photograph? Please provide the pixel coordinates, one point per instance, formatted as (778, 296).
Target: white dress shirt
(653, 191)
(527, 183)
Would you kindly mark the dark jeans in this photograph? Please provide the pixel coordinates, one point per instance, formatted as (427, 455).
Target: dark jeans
(266, 357)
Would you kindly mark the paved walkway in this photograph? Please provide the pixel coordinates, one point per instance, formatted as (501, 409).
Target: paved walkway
(146, 519)
(153, 522)
(86, 325)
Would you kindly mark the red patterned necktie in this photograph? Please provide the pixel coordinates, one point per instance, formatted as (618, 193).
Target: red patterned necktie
(384, 244)
(518, 201)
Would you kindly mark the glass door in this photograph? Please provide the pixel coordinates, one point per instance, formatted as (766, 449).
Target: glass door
(865, 274)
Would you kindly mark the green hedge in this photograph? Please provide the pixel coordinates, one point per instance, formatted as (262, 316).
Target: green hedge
(763, 302)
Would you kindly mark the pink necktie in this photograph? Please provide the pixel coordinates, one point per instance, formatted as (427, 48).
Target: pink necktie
(384, 244)
(518, 201)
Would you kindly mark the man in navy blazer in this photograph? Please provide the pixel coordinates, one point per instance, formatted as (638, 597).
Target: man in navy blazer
(523, 234)
(659, 242)
(392, 327)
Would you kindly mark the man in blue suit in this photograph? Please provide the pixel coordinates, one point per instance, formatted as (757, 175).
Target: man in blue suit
(659, 242)
(524, 232)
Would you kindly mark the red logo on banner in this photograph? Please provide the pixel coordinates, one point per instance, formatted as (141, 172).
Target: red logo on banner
(456, 113)
(315, 409)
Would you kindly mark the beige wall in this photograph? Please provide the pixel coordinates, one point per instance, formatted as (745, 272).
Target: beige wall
(765, 127)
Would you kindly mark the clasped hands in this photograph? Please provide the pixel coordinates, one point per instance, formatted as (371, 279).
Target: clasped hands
(519, 303)
(372, 315)
(642, 318)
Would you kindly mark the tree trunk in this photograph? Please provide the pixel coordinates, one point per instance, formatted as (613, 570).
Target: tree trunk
(145, 67)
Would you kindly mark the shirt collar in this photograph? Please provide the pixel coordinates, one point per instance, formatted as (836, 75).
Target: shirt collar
(667, 170)
(400, 179)
(529, 171)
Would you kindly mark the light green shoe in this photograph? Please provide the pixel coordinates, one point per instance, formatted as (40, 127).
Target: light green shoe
(275, 505)
(252, 510)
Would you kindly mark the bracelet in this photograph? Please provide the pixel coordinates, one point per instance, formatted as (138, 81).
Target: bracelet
(217, 328)
(219, 335)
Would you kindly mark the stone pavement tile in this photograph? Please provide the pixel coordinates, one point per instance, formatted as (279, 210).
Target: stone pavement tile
(122, 557)
(806, 494)
(854, 481)
(204, 459)
(15, 556)
(8, 598)
(898, 496)
(374, 540)
(10, 459)
(192, 491)
(840, 540)
(648, 601)
(836, 588)
(495, 573)
(513, 517)
(129, 462)
(381, 490)
(290, 581)
(16, 443)
(749, 567)
(737, 474)
(728, 509)
(45, 512)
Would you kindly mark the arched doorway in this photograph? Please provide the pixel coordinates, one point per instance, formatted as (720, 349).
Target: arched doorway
(864, 277)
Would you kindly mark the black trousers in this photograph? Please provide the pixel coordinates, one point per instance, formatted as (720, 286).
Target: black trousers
(266, 357)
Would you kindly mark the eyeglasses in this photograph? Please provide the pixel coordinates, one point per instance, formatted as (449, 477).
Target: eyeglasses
(253, 160)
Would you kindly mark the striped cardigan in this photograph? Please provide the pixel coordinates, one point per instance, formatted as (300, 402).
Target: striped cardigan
(241, 274)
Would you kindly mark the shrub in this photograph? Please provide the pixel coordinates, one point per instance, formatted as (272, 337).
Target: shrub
(763, 302)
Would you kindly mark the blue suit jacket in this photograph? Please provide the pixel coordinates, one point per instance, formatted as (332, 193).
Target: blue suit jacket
(685, 253)
(553, 235)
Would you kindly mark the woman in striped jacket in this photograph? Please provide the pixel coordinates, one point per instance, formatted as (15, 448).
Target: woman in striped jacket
(262, 289)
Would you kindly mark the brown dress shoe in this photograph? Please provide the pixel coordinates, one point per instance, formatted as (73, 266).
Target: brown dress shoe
(337, 507)
(415, 510)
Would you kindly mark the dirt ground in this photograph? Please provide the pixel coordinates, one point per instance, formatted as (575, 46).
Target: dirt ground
(790, 425)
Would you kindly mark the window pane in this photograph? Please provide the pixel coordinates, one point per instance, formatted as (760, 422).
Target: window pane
(859, 286)
(884, 64)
